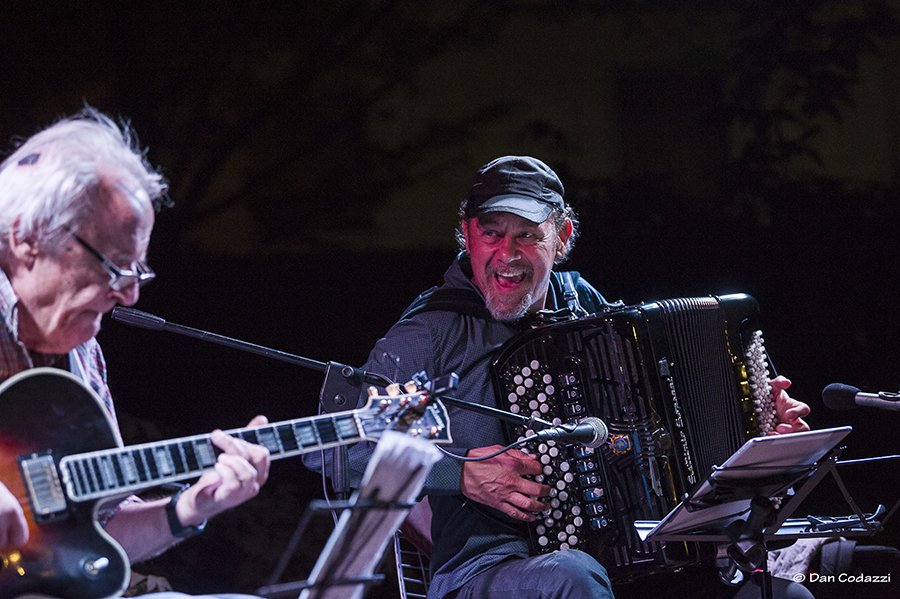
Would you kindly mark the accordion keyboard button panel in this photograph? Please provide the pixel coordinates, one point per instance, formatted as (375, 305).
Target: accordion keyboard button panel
(577, 498)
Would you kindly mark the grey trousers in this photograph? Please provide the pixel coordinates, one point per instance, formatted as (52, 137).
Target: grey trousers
(567, 574)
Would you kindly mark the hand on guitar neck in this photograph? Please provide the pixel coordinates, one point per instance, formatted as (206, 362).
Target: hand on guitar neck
(142, 529)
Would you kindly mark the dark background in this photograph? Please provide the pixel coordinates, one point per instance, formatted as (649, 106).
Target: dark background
(317, 153)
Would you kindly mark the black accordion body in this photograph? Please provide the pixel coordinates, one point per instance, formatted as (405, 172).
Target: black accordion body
(680, 383)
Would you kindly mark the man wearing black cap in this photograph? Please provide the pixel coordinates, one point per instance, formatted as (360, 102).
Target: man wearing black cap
(515, 227)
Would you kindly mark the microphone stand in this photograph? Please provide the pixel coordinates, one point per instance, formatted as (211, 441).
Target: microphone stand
(340, 388)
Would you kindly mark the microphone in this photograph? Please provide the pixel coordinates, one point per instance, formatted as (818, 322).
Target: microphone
(591, 432)
(842, 397)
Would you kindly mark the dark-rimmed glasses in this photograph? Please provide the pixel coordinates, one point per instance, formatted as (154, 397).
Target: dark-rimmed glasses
(119, 279)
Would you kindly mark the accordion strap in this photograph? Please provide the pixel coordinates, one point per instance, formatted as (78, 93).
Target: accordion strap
(462, 301)
(570, 294)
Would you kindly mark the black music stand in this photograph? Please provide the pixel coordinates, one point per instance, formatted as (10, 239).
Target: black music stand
(733, 504)
(329, 580)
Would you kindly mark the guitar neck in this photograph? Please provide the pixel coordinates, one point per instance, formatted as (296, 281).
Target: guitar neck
(110, 472)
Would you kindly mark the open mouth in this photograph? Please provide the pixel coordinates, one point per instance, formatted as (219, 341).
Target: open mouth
(509, 280)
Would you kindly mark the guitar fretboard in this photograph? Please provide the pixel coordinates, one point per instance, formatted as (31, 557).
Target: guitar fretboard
(103, 473)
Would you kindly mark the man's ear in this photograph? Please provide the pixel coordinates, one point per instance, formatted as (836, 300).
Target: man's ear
(24, 249)
(564, 233)
(465, 229)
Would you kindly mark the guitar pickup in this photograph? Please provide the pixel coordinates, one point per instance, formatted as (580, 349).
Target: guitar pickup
(45, 492)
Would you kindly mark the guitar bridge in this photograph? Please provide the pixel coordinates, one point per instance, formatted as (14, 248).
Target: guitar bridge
(45, 492)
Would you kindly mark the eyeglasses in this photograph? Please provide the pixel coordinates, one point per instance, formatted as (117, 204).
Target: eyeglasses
(119, 279)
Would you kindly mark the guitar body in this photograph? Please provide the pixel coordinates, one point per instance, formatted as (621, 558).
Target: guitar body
(50, 412)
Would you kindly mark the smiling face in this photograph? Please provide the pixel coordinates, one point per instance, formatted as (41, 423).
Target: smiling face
(512, 259)
(63, 295)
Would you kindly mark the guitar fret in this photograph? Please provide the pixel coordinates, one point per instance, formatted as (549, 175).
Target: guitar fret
(177, 458)
(165, 466)
(129, 468)
(268, 439)
(288, 439)
(72, 469)
(345, 427)
(306, 434)
(150, 461)
(205, 453)
(85, 478)
(107, 472)
(138, 458)
(116, 461)
(189, 456)
(326, 431)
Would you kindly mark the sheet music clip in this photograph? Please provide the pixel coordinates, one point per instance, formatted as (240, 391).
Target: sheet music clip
(346, 567)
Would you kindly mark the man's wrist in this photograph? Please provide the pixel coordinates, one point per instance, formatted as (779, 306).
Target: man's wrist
(178, 530)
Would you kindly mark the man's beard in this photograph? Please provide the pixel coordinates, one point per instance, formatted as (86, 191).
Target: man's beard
(508, 313)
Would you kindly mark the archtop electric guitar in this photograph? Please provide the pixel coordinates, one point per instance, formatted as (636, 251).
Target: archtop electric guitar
(60, 455)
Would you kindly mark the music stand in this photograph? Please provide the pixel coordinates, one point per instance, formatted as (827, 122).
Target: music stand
(392, 482)
(732, 505)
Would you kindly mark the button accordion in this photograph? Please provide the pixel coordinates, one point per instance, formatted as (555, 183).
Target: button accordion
(680, 383)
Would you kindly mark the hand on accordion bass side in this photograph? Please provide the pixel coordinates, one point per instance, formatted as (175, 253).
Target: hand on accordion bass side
(499, 482)
(790, 411)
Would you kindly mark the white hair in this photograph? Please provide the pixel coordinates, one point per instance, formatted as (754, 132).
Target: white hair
(50, 182)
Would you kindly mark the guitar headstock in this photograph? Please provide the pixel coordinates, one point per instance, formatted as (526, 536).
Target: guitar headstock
(413, 409)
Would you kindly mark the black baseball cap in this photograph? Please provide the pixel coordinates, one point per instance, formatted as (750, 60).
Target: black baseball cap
(520, 185)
